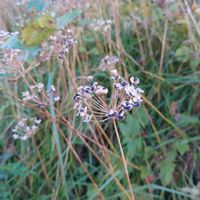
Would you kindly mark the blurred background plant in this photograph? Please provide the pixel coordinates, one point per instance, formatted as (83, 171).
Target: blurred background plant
(46, 46)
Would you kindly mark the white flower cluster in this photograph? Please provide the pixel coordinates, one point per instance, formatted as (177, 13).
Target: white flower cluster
(46, 52)
(102, 25)
(91, 100)
(11, 56)
(38, 96)
(10, 61)
(26, 128)
(108, 62)
(59, 43)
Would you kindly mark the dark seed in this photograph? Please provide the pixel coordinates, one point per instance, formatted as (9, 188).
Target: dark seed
(128, 108)
(120, 117)
(76, 97)
(123, 84)
(136, 104)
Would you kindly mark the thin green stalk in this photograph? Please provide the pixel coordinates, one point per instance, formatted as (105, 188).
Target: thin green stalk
(123, 160)
(57, 140)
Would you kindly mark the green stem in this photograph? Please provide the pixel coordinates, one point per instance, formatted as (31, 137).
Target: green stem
(123, 160)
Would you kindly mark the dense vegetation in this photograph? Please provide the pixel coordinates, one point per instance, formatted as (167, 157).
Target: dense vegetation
(48, 48)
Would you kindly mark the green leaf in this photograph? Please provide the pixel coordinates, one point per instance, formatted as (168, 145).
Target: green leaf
(15, 169)
(194, 64)
(130, 130)
(38, 30)
(13, 42)
(67, 18)
(91, 191)
(167, 168)
(145, 171)
(134, 145)
(148, 152)
(93, 51)
(183, 54)
(126, 127)
(183, 79)
(167, 172)
(186, 120)
(84, 22)
(181, 147)
(37, 5)
(133, 123)
(142, 116)
(82, 49)
(89, 38)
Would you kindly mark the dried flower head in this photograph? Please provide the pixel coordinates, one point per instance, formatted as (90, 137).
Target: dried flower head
(38, 96)
(11, 60)
(102, 25)
(26, 128)
(92, 103)
(58, 44)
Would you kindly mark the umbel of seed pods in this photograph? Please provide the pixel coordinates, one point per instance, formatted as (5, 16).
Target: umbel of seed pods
(91, 100)
(37, 97)
(59, 44)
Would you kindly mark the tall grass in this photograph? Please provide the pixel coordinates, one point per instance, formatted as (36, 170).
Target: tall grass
(156, 152)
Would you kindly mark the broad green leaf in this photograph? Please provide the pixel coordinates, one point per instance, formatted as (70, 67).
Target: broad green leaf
(67, 18)
(134, 145)
(181, 147)
(126, 127)
(167, 168)
(130, 130)
(38, 30)
(12, 43)
(133, 123)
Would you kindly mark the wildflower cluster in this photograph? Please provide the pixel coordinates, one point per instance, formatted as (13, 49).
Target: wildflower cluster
(38, 96)
(11, 60)
(26, 128)
(11, 56)
(59, 43)
(92, 103)
(102, 25)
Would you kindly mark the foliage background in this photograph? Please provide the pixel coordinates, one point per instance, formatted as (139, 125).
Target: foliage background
(157, 42)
